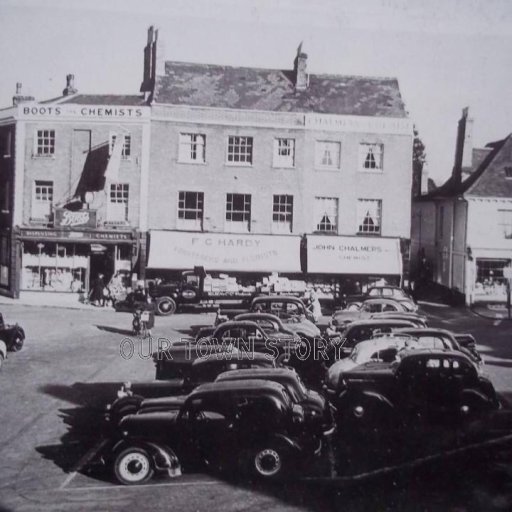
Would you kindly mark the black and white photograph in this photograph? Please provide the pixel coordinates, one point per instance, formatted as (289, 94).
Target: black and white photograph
(256, 255)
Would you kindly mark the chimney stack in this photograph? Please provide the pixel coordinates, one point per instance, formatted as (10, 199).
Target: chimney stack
(18, 97)
(463, 146)
(70, 86)
(154, 62)
(300, 70)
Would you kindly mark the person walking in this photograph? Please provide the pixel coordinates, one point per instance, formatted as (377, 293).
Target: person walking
(97, 291)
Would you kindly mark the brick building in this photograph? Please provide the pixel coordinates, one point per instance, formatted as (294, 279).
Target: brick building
(463, 229)
(253, 168)
(70, 209)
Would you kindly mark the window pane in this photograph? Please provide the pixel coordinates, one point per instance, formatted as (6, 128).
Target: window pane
(240, 149)
(326, 214)
(369, 216)
(327, 154)
(371, 157)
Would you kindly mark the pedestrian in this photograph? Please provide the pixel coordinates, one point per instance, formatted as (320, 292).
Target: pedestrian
(96, 295)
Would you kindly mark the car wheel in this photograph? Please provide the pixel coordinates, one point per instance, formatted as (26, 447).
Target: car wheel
(17, 343)
(269, 462)
(133, 466)
(166, 306)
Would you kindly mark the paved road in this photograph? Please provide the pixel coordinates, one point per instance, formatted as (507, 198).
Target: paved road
(72, 359)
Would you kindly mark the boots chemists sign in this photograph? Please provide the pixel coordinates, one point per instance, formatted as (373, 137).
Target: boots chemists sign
(354, 255)
(224, 252)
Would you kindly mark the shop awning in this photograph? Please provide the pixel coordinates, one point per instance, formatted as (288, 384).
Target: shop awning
(224, 252)
(353, 255)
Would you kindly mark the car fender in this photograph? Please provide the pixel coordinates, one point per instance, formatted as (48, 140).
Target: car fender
(286, 441)
(164, 457)
(373, 395)
(475, 393)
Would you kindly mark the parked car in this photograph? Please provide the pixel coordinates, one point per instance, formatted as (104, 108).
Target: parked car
(246, 425)
(382, 349)
(418, 320)
(348, 336)
(3, 353)
(12, 335)
(426, 385)
(316, 408)
(366, 309)
(387, 292)
(202, 370)
(441, 338)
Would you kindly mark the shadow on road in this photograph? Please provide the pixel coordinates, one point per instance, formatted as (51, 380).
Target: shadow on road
(115, 330)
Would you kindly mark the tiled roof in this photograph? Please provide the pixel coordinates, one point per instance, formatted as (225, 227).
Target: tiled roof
(102, 99)
(488, 180)
(273, 90)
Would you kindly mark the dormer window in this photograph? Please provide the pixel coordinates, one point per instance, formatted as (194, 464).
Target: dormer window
(508, 173)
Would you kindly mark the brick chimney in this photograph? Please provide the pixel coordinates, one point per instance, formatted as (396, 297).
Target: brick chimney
(299, 69)
(18, 97)
(463, 146)
(70, 86)
(154, 61)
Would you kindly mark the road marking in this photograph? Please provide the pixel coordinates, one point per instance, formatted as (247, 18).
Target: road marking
(149, 485)
(86, 458)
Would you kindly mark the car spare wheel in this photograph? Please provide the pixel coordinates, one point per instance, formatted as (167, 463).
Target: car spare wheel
(268, 462)
(133, 466)
(166, 306)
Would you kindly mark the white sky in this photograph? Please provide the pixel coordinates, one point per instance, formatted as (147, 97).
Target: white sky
(446, 54)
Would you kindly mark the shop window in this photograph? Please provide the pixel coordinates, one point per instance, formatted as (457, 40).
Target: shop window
(42, 200)
(238, 213)
(506, 222)
(192, 148)
(190, 210)
(126, 152)
(371, 157)
(45, 143)
(284, 152)
(5, 260)
(240, 150)
(327, 154)
(508, 173)
(117, 207)
(326, 214)
(282, 214)
(369, 216)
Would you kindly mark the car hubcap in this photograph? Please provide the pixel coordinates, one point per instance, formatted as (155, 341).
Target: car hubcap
(134, 467)
(359, 411)
(268, 462)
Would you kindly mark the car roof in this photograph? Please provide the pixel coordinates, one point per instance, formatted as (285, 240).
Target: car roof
(237, 323)
(418, 353)
(259, 315)
(277, 298)
(256, 373)
(241, 355)
(238, 385)
(386, 286)
(377, 321)
(381, 299)
(425, 330)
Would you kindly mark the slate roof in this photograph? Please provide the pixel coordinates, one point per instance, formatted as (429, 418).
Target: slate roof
(488, 180)
(101, 99)
(246, 88)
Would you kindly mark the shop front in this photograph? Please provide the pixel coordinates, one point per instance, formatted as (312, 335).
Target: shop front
(233, 261)
(346, 265)
(490, 283)
(67, 260)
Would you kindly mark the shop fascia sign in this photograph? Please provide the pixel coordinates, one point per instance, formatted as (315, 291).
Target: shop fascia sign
(68, 218)
(85, 112)
(49, 234)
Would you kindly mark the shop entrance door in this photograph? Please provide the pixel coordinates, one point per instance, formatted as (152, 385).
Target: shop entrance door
(102, 262)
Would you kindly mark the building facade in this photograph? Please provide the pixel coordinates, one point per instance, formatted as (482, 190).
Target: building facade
(321, 164)
(72, 205)
(463, 229)
(241, 170)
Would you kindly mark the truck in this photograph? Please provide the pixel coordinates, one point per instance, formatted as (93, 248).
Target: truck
(190, 291)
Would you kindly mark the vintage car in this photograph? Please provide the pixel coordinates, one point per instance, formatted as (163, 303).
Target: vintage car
(386, 292)
(425, 385)
(360, 311)
(12, 335)
(419, 321)
(315, 407)
(243, 426)
(3, 353)
(441, 338)
(201, 370)
(348, 336)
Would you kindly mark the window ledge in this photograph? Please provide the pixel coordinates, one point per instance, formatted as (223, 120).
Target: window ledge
(7, 156)
(284, 167)
(5, 211)
(371, 171)
(188, 162)
(43, 157)
(237, 164)
(327, 169)
(376, 235)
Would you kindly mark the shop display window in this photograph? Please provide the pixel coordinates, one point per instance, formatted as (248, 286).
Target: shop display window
(490, 280)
